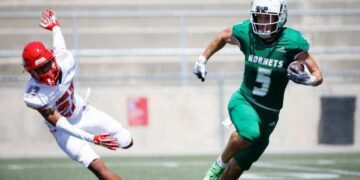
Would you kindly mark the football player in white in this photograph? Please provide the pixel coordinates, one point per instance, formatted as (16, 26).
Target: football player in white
(72, 121)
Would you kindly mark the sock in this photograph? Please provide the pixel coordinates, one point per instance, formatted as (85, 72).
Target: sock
(221, 163)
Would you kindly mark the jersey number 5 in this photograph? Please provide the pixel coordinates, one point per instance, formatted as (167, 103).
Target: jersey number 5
(263, 77)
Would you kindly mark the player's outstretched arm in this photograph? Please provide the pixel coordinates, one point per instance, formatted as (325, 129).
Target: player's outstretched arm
(60, 122)
(215, 45)
(51, 23)
(48, 20)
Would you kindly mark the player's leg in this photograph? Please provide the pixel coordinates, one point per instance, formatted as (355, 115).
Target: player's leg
(246, 157)
(95, 122)
(234, 145)
(232, 172)
(101, 171)
(81, 151)
(246, 121)
(98, 121)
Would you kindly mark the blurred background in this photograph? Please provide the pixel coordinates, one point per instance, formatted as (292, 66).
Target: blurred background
(137, 58)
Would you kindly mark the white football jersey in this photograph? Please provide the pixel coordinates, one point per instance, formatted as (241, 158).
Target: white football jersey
(62, 96)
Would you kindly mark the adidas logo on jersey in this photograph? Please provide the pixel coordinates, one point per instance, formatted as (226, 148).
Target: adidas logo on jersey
(281, 49)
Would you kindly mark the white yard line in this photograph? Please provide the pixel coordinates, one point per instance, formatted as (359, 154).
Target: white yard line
(307, 168)
(110, 164)
(314, 161)
(307, 171)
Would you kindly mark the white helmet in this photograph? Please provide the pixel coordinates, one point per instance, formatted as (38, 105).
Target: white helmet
(277, 11)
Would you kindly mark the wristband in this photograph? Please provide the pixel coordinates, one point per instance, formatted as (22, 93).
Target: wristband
(312, 80)
(202, 59)
(63, 124)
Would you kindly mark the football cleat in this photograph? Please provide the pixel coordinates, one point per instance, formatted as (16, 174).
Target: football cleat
(214, 172)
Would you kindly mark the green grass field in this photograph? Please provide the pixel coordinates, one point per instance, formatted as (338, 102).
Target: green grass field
(270, 166)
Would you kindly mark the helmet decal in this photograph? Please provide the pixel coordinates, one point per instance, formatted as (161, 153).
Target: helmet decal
(40, 61)
(261, 9)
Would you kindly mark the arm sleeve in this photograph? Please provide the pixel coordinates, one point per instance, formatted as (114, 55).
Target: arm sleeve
(63, 124)
(58, 39)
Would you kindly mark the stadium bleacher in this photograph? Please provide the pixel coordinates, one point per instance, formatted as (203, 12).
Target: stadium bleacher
(121, 31)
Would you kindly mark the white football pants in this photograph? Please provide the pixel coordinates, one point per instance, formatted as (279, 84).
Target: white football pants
(93, 121)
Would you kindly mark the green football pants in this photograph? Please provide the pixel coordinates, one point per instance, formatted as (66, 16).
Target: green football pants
(252, 123)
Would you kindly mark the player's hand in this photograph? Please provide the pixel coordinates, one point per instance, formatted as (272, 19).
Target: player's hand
(106, 140)
(48, 20)
(200, 69)
(301, 77)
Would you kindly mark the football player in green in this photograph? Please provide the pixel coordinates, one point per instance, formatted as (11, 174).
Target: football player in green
(269, 48)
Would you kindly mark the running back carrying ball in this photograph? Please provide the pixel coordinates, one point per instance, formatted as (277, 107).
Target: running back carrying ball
(299, 73)
(296, 67)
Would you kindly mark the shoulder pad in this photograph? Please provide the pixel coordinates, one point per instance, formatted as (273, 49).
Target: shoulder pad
(34, 99)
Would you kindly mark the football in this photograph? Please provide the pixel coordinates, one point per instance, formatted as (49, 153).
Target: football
(296, 66)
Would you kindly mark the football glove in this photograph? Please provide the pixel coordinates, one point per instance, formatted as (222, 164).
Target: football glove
(48, 20)
(200, 69)
(301, 77)
(106, 140)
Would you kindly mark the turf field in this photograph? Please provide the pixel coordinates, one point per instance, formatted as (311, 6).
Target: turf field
(276, 166)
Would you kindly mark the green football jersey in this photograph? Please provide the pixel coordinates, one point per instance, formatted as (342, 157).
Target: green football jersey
(265, 76)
